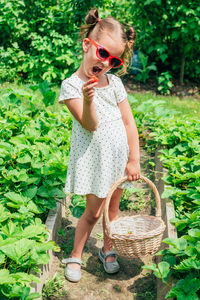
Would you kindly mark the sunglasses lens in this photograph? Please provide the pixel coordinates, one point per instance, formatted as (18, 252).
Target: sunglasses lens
(103, 53)
(115, 62)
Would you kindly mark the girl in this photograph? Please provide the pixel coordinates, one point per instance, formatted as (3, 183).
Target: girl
(104, 143)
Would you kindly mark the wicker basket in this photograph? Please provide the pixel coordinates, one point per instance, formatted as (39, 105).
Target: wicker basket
(138, 235)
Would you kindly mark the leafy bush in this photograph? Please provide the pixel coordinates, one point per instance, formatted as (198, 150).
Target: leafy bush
(164, 83)
(168, 32)
(38, 40)
(144, 73)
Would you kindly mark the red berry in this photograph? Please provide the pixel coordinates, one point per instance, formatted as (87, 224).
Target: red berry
(94, 78)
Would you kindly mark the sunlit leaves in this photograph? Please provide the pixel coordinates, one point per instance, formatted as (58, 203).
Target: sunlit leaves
(32, 174)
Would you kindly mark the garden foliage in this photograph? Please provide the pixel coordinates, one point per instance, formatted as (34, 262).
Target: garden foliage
(179, 139)
(34, 152)
(39, 39)
(168, 32)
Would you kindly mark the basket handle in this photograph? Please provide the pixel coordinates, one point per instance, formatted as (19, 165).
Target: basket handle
(119, 182)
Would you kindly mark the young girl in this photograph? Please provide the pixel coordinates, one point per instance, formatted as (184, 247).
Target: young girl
(104, 145)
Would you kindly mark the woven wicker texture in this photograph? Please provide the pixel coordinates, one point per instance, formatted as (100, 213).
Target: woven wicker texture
(139, 235)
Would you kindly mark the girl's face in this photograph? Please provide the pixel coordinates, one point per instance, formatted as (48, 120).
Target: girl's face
(92, 65)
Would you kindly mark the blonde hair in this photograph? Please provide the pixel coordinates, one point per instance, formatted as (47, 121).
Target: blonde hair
(128, 36)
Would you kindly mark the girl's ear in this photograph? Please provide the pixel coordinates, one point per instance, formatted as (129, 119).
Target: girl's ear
(85, 44)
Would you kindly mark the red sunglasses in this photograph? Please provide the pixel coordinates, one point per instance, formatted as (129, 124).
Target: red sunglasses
(103, 54)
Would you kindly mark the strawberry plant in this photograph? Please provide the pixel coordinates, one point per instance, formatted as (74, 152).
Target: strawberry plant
(180, 141)
(34, 152)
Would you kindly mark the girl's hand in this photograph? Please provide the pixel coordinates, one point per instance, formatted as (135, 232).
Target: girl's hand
(88, 90)
(133, 170)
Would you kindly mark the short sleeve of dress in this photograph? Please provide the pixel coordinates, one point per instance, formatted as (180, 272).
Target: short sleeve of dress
(68, 91)
(120, 91)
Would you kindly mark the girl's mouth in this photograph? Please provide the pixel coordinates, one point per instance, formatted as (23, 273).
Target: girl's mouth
(96, 70)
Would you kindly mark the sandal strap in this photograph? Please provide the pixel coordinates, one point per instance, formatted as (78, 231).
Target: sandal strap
(72, 260)
(110, 253)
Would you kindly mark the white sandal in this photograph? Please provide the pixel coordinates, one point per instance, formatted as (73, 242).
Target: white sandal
(70, 274)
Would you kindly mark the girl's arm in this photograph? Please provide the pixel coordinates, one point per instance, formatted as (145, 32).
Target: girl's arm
(84, 110)
(133, 165)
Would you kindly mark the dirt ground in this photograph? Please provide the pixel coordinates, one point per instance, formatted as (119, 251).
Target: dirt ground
(131, 282)
(188, 89)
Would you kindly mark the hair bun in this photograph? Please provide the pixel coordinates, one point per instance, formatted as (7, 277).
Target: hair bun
(131, 34)
(92, 17)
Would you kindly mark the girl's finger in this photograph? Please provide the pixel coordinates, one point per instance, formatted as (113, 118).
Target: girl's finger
(90, 94)
(90, 91)
(130, 178)
(90, 84)
(87, 89)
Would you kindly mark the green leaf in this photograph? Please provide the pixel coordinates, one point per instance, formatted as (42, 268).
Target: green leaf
(16, 198)
(57, 193)
(76, 211)
(5, 277)
(34, 207)
(169, 191)
(46, 246)
(34, 231)
(148, 2)
(48, 95)
(24, 159)
(4, 213)
(31, 192)
(33, 179)
(154, 268)
(164, 269)
(7, 241)
(23, 277)
(170, 259)
(18, 249)
(43, 192)
(2, 257)
(39, 257)
(191, 251)
(11, 229)
(194, 233)
(180, 243)
(188, 264)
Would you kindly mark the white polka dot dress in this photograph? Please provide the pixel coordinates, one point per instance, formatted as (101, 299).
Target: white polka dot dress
(99, 158)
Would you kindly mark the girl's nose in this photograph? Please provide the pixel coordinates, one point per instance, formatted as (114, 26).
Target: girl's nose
(106, 63)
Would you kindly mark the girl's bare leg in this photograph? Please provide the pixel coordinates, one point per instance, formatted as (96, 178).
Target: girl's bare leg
(93, 210)
(113, 214)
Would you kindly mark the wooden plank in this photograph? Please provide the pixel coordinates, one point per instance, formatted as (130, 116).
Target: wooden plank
(167, 209)
(53, 222)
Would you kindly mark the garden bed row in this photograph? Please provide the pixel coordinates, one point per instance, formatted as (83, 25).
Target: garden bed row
(178, 138)
(34, 148)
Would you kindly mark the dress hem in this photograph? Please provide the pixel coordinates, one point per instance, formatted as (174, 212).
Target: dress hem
(90, 192)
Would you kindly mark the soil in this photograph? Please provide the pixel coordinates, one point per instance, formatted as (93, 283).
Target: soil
(189, 89)
(131, 282)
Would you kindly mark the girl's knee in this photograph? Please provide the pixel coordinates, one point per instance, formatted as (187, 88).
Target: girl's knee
(91, 217)
(94, 208)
